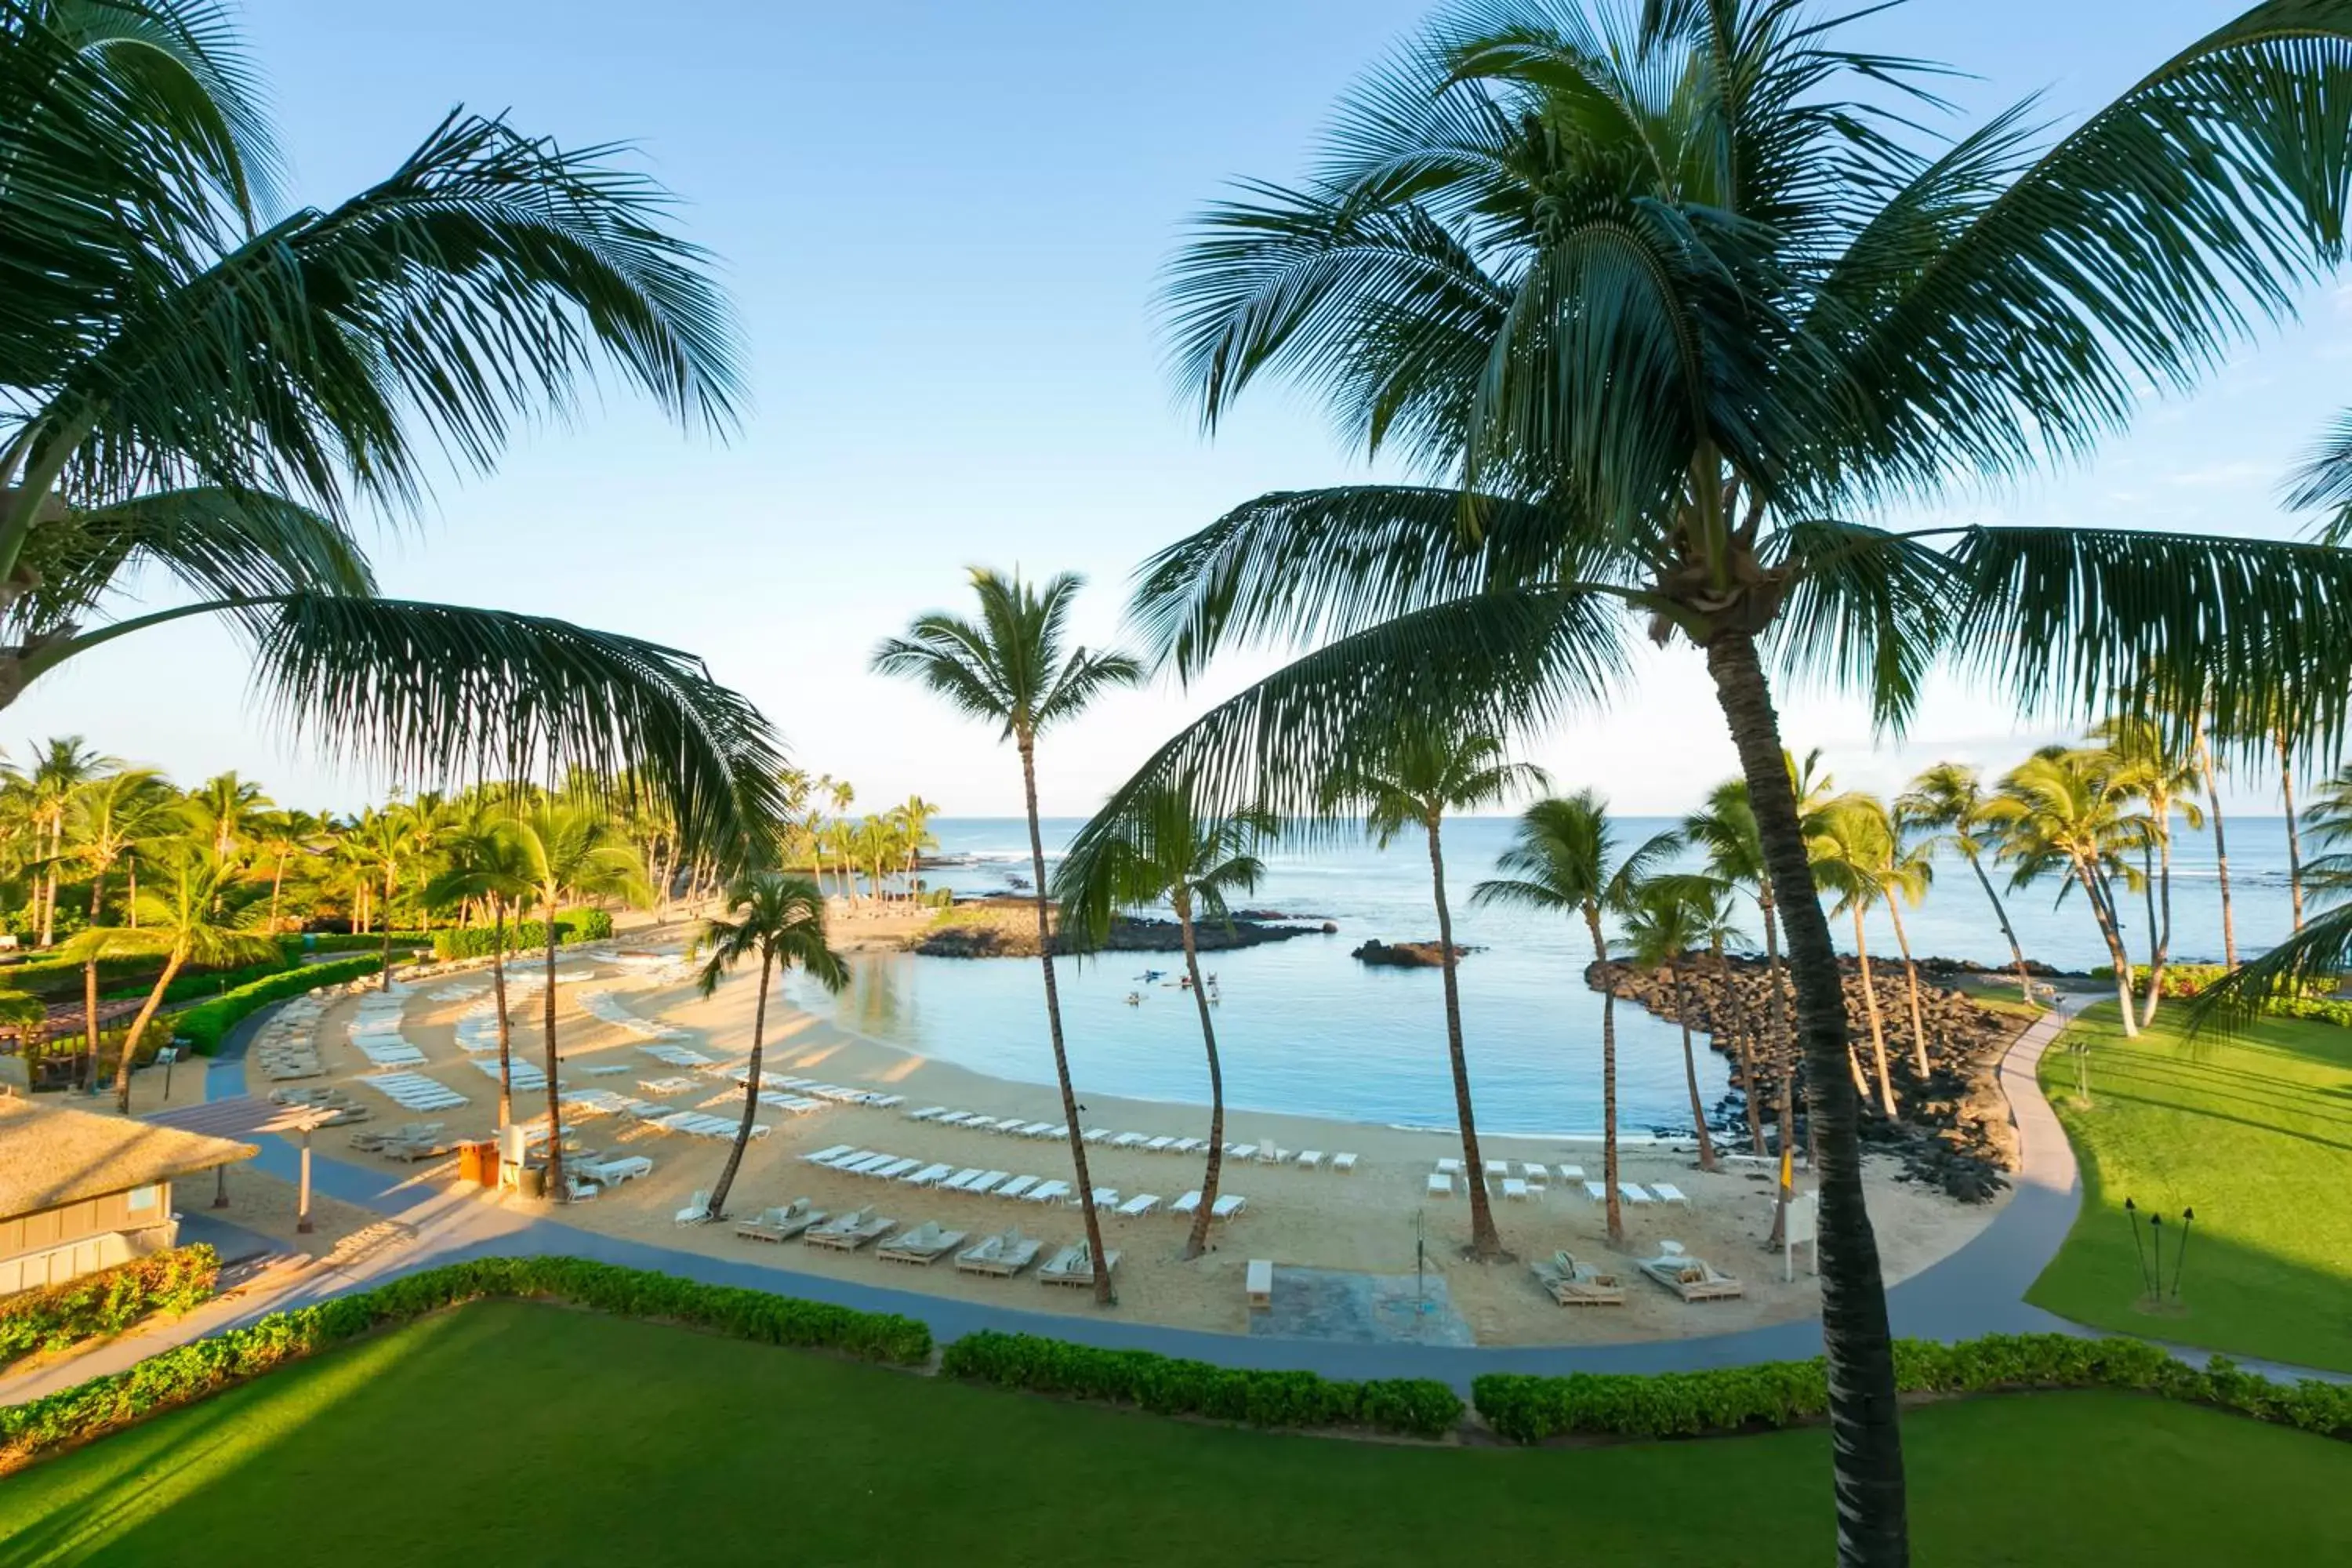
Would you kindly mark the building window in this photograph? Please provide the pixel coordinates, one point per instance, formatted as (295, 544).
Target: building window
(146, 1197)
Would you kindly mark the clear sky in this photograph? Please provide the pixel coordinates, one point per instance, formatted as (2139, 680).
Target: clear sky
(943, 222)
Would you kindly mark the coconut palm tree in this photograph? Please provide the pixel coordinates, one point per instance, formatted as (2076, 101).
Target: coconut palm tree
(1564, 860)
(1909, 872)
(1166, 853)
(1011, 668)
(915, 818)
(1414, 777)
(1949, 798)
(107, 819)
(779, 921)
(192, 911)
(1662, 302)
(2066, 812)
(570, 852)
(488, 861)
(1853, 850)
(2166, 777)
(226, 806)
(194, 381)
(61, 767)
(1667, 922)
(280, 837)
(1715, 907)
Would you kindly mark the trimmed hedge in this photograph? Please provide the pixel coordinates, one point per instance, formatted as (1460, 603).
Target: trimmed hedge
(61, 980)
(107, 1302)
(2316, 1001)
(477, 941)
(1169, 1385)
(1528, 1409)
(204, 1026)
(204, 1366)
(356, 941)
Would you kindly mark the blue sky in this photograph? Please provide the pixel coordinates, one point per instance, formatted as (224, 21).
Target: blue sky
(942, 224)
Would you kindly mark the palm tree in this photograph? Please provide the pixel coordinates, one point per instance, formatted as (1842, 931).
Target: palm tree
(1166, 853)
(1951, 797)
(488, 861)
(2208, 779)
(60, 769)
(2283, 740)
(2063, 811)
(1853, 848)
(570, 852)
(108, 818)
(915, 817)
(279, 838)
(1714, 908)
(1564, 860)
(1418, 775)
(192, 382)
(1649, 294)
(227, 806)
(2166, 779)
(780, 920)
(1663, 926)
(1010, 668)
(191, 916)
(1905, 878)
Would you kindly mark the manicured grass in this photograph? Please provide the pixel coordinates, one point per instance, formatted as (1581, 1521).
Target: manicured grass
(2254, 1133)
(514, 1433)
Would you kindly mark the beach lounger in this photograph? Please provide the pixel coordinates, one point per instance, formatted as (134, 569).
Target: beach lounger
(1160, 1146)
(1596, 1192)
(1259, 1282)
(1128, 1140)
(1267, 1154)
(955, 1119)
(579, 1188)
(1441, 1185)
(926, 1113)
(1040, 1130)
(1242, 1151)
(848, 1232)
(1537, 1175)
(698, 1210)
(962, 1179)
(1344, 1164)
(1096, 1134)
(1228, 1205)
(988, 1182)
(1188, 1146)
(1009, 1124)
(837, 1156)
(1002, 1255)
(924, 1245)
(1310, 1160)
(1055, 1133)
(1188, 1204)
(1633, 1193)
(1574, 1284)
(1690, 1278)
(1106, 1197)
(1449, 1167)
(1016, 1186)
(613, 1172)
(897, 1169)
(1497, 1168)
(1668, 1193)
(1073, 1266)
(859, 1164)
(1138, 1205)
(884, 1102)
(1569, 1173)
(1515, 1189)
(929, 1176)
(1047, 1193)
(780, 1225)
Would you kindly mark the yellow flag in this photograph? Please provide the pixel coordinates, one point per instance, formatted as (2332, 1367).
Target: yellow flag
(1788, 1169)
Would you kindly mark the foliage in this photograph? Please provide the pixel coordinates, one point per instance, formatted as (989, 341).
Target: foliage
(1529, 1409)
(107, 1301)
(478, 941)
(202, 1366)
(358, 942)
(1171, 1385)
(204, 1024)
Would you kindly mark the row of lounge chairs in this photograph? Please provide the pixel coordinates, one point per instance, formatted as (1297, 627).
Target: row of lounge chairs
(1634, 1193)
(411, 1140)
(810, 1090)
(977, 1182)
(1000, 1254)
(414, 1091)
(1342, 1163)
(973, 1121)
(1572, 1282)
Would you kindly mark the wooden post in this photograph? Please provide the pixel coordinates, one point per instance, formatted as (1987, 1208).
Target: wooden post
(220, 1187)
(302, 1201)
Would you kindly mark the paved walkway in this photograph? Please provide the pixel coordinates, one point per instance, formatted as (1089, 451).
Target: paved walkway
(1977, 1290)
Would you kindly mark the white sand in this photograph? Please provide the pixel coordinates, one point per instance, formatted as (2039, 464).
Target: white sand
(1318, 1219)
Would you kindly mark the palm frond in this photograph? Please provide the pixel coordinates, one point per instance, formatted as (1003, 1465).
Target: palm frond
(2322, 482)
(1865, 611)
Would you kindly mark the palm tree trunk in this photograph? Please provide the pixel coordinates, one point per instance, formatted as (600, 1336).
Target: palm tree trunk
(2287, 796)
(89, 1022)
(555, 1189)
(1197, 1242)
(2159, 920)
(1877, 1025)
(1608, 1079)
(1484, 1241)
(506, 1030)
(383, 974)
(1865, 1428)
(2103, 913)
(1784, 1038)
(2000, 913)
(751, 1094)
(1690, 1070)
(131, 870)
(1911, 976)
(1735, 1015)
(1103, 1297)
(277, 881)
(2220, 847)
(138, 1028)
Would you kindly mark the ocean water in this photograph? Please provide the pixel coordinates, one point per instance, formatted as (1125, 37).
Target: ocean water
(1303, 1027)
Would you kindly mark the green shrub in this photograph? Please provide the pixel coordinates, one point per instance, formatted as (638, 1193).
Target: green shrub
(1169, 1385)
(1528, 1409)
(197, 987)
(202, 1367)
(61, 980)
(477, 941)
(358, 941)
(204, 1026)
(107, 1301)
(2314, 1000)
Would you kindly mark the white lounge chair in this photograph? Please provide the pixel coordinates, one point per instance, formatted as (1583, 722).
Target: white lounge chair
(1449, 1167)
(1129, 1141)
(1537, 1175)
(1106, 1197)
(1188, 1204)
(1668, 1193)
(1228, 1205)
(1515, 1189)
(963, 1178)
(928, 1113)
(1596, 1192)
(897, 1169)
(1344, 1164)
(1242, 1151)
(929, 1176)
(1138, 1205)
(989, 1182)
(1441, 1185)
(1159, 1145)
(1311, 1158)
(1497, 1168)
(1096, 1134)
(1047, 1193)
(1633, 1193)
(696, 1211)
(1259, 1282)
(1016, 1186)
(1569, 1173)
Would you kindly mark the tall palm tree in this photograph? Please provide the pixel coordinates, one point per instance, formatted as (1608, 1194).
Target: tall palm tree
(1564, 860)
(1166, 853)
(60, 769)
(1949, 798)
(1011, 668)
(280, 837)
(1414, 777)
(2066, 812)
(1663, 300)
(915, 817)
(1714, 907)
(1664, 924)
(2165, 775)
(570, 852)
(1853, 848)
(195, 381)
(228, 805)
(489, 862)
(780, 920)
(107, 819)
(2208, 779)
(192, 911)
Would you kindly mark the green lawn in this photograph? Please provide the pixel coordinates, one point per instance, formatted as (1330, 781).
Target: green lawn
(513, 1432)
(2254, 1133)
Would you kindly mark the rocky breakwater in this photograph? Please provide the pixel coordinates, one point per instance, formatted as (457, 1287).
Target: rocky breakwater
(1406, 954)
(1007, 928)
(1951, 1128)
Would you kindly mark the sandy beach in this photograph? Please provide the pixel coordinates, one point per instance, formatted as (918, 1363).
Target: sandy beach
(1362, 1222)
